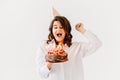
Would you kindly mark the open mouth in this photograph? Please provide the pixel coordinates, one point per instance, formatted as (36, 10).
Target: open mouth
(59, 34)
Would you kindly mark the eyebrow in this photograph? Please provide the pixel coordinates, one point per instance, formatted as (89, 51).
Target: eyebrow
(54, 25)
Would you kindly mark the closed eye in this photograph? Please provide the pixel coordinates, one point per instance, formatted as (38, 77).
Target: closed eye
(55, 27)
(61, 27)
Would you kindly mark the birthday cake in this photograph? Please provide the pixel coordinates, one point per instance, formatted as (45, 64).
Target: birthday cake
(56, 55)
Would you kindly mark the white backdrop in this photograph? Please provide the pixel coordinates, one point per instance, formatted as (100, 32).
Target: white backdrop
(24, 23)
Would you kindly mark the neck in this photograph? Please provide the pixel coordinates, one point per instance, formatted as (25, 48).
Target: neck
(60, 43)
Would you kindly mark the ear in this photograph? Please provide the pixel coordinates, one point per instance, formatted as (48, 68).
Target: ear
(55, 12)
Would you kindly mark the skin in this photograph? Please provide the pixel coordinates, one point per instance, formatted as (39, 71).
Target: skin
(79, 27)
(57, 28)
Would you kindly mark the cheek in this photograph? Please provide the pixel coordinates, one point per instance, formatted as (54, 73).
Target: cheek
(64, 33)
(53, 32)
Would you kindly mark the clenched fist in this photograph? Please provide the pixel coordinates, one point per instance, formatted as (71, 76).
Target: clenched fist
(80, 27)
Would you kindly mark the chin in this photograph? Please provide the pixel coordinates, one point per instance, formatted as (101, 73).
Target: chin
(58, 40)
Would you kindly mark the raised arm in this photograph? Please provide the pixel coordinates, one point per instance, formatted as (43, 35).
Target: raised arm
(93, 41)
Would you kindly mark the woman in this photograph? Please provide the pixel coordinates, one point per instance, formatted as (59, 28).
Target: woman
(60, 32)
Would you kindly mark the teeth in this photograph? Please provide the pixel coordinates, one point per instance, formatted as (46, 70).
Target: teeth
(59, 34)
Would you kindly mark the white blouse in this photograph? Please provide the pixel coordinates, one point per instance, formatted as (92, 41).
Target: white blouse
(72, 69)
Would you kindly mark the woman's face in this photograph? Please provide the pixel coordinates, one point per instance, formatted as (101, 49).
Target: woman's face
(58, 32)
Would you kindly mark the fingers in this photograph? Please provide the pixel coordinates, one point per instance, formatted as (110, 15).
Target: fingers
(49, 65)
(78, 26)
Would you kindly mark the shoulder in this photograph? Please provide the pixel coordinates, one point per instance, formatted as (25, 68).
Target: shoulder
(43, 43)
(42, 47)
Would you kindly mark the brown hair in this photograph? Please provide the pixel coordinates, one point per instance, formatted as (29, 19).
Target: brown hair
(66, 26)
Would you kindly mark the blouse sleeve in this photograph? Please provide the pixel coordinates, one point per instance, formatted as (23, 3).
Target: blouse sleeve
(93, 44)
(42, 68)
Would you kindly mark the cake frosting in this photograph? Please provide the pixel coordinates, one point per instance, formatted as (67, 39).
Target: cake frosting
(56, 54)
